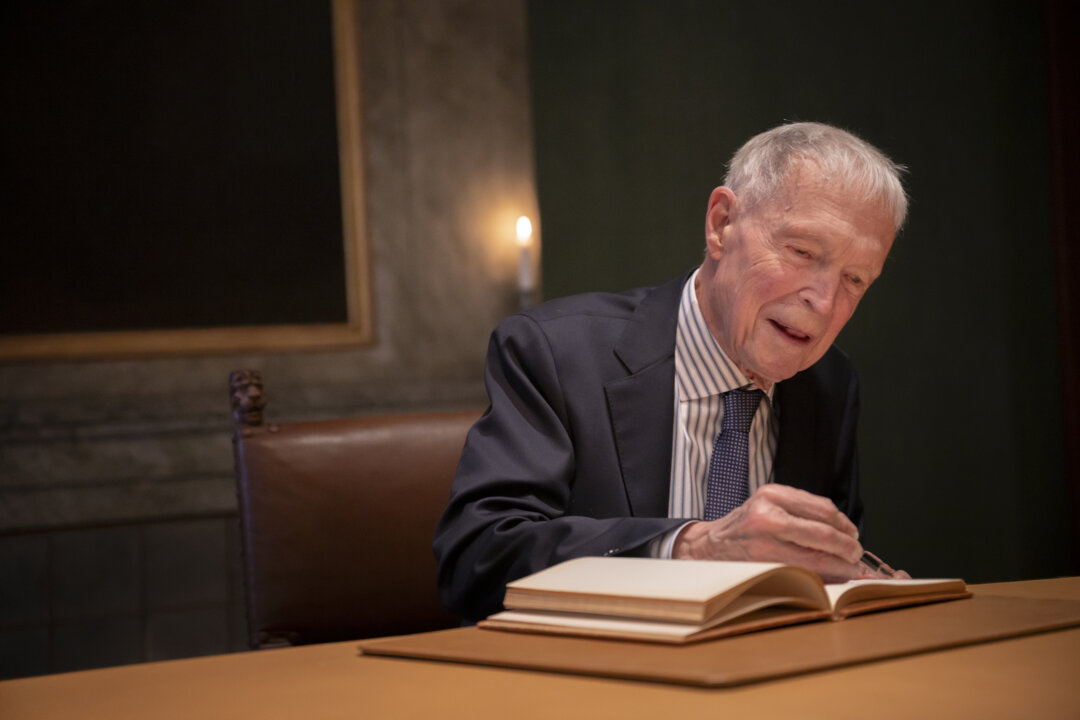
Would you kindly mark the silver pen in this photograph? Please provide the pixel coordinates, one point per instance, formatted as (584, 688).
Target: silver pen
(876, 564)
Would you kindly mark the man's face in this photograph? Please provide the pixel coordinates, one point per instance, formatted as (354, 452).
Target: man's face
(780, 281)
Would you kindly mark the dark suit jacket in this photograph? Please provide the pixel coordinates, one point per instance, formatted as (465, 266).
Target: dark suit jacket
(573, 456)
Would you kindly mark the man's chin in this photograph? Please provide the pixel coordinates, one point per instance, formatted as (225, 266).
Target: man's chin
(769, 376)
(776, 363)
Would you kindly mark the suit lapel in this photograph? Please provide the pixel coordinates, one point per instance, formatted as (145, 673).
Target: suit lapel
(641, 404)
(642, 415)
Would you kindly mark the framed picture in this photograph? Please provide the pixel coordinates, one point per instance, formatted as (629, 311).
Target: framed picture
(185, 177)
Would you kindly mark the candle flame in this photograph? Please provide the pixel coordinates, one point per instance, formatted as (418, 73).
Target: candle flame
(524, 231)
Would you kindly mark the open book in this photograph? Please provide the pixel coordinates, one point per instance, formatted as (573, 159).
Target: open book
(679, 601)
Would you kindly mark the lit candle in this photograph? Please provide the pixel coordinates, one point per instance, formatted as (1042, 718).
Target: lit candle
(525, 274)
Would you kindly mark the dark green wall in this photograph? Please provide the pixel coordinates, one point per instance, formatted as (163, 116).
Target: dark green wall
(639, 104)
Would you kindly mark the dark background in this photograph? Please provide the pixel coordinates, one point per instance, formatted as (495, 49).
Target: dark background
(171, 165)
(638, 105)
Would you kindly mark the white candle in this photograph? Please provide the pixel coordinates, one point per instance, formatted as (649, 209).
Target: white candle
(524, 238)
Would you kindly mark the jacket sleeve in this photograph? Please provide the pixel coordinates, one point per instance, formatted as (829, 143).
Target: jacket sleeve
(508, 513)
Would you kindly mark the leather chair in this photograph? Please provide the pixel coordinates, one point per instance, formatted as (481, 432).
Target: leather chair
(337, 518)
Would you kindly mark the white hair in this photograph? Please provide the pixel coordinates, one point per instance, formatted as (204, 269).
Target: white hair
(760, 168)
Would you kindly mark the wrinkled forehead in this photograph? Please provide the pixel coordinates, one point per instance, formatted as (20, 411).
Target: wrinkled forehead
(807, 184)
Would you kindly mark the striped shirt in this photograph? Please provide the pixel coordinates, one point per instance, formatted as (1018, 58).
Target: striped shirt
(703, 373)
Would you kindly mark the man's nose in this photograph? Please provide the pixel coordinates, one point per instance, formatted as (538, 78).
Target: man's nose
(820, 293)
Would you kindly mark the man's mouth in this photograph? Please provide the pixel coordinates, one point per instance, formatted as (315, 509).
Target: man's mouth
(791, 332)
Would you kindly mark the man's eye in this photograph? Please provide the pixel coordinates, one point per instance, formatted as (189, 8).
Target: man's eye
(801, 252)
(855, 280)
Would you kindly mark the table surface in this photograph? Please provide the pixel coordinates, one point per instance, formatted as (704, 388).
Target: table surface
(1031, 676)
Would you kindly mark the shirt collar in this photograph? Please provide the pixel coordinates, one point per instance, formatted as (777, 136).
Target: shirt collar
(701, 367)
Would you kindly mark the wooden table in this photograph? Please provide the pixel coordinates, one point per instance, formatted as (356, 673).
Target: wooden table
(1036, 676)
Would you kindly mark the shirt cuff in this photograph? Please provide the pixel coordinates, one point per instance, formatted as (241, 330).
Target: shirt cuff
(661, 547)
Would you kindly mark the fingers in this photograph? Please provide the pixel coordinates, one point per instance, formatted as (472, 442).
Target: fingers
(804, 519)
(818, 536)
(865, 573)
(829, 566)
(732, 538)
(801, 503)
(779, 524)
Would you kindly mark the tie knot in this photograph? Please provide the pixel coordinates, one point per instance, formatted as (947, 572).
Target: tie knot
(739, 408)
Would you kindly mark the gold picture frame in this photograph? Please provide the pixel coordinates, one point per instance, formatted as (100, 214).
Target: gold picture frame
(356, 331)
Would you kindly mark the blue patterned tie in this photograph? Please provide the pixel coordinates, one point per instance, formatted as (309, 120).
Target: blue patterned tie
(730, 466)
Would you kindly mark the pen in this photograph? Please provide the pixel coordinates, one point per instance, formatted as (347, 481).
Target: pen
(876, 564)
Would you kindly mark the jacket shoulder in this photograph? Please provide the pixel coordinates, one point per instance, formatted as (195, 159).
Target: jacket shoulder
(596, 304)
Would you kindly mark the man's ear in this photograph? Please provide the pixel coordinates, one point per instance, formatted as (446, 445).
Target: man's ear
(717, 218)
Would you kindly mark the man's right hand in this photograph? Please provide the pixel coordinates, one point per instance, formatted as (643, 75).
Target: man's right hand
(778, 524)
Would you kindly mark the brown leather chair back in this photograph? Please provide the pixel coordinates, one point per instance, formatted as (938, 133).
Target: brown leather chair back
(337, 519)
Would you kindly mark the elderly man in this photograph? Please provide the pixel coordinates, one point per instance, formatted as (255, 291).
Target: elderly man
(708, 418)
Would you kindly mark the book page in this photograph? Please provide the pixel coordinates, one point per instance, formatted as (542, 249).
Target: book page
(686, 580)
(744, 606)
(853, 591)
(650, 588)
(615, 626)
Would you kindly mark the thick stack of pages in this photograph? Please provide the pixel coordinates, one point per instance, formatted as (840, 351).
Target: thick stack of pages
(678, 601)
